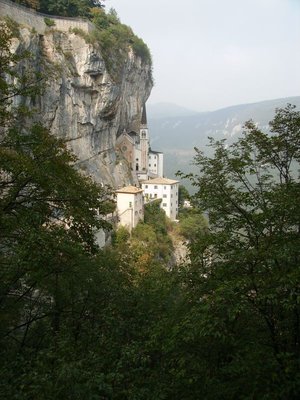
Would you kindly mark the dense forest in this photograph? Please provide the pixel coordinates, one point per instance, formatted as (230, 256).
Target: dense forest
(124, 322)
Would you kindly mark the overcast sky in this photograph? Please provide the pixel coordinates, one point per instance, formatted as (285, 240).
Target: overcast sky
(209, 54)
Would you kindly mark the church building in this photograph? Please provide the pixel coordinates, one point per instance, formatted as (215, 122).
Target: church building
(148, 167)
(135, 148)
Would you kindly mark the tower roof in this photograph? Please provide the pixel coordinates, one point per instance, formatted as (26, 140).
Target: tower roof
(144, 116)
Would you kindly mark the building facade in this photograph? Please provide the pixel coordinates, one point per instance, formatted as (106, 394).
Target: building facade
(130, 206)
(166, 190)
(147, 165)
(156, 164)
(135, 148)
(125, 144)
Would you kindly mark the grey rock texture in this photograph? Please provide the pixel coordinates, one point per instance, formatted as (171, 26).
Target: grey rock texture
(82, 103)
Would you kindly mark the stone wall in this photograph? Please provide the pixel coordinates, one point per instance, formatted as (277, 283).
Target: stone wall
(28, 17)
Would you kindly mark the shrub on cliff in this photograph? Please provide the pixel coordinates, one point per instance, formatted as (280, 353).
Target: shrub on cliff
(68, 8)
(115, 39)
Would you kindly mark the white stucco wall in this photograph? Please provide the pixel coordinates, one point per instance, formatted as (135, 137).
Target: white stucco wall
(156, 163)
(130, 207)
(167, 192)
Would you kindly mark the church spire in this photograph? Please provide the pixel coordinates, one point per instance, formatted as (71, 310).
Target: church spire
(144, 116)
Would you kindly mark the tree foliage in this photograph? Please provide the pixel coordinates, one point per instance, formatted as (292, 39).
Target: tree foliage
(77, 322)
(192, 223)
(149, 245)
(48, 214)
(115, 40)
(183, 194)
(246, 270)
(66, 8)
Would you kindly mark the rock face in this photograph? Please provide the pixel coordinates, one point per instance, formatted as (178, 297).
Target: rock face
(82, 103)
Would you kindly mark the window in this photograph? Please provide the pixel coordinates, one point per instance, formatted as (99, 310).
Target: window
(124, 148)
(130, 204)
(164, 204)
(146, 186)
(155, 187)
(171, 186)
(165, 187)
(155, 196)
(171, 196)
(154, 165)
(164, 196)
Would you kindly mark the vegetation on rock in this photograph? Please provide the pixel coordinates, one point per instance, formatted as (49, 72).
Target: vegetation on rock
(82, 323)
(66, 8)
(113, 38)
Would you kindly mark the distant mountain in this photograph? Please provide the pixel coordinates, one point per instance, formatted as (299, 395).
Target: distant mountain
(176, 133)
(171, 129)
(163, 110)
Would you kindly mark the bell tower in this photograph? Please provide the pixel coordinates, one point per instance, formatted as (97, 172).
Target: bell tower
(144, 140)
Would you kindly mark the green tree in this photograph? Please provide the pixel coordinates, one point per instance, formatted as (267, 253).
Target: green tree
(183, 194)
(69, 8)
(156, 218)
(48, 255)
(244, 275)
(48, 214)
(192, 224)
(75, 321)
(29, 3)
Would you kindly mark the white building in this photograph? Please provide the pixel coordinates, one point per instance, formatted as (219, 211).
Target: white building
(135, 148)
(144, 146)
(165, 189)
(130, 206)
(156, 164)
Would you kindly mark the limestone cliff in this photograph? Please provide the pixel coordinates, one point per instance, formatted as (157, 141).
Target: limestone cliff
(82, 103)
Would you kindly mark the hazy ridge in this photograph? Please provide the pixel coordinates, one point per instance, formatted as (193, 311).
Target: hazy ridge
(176, 130)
